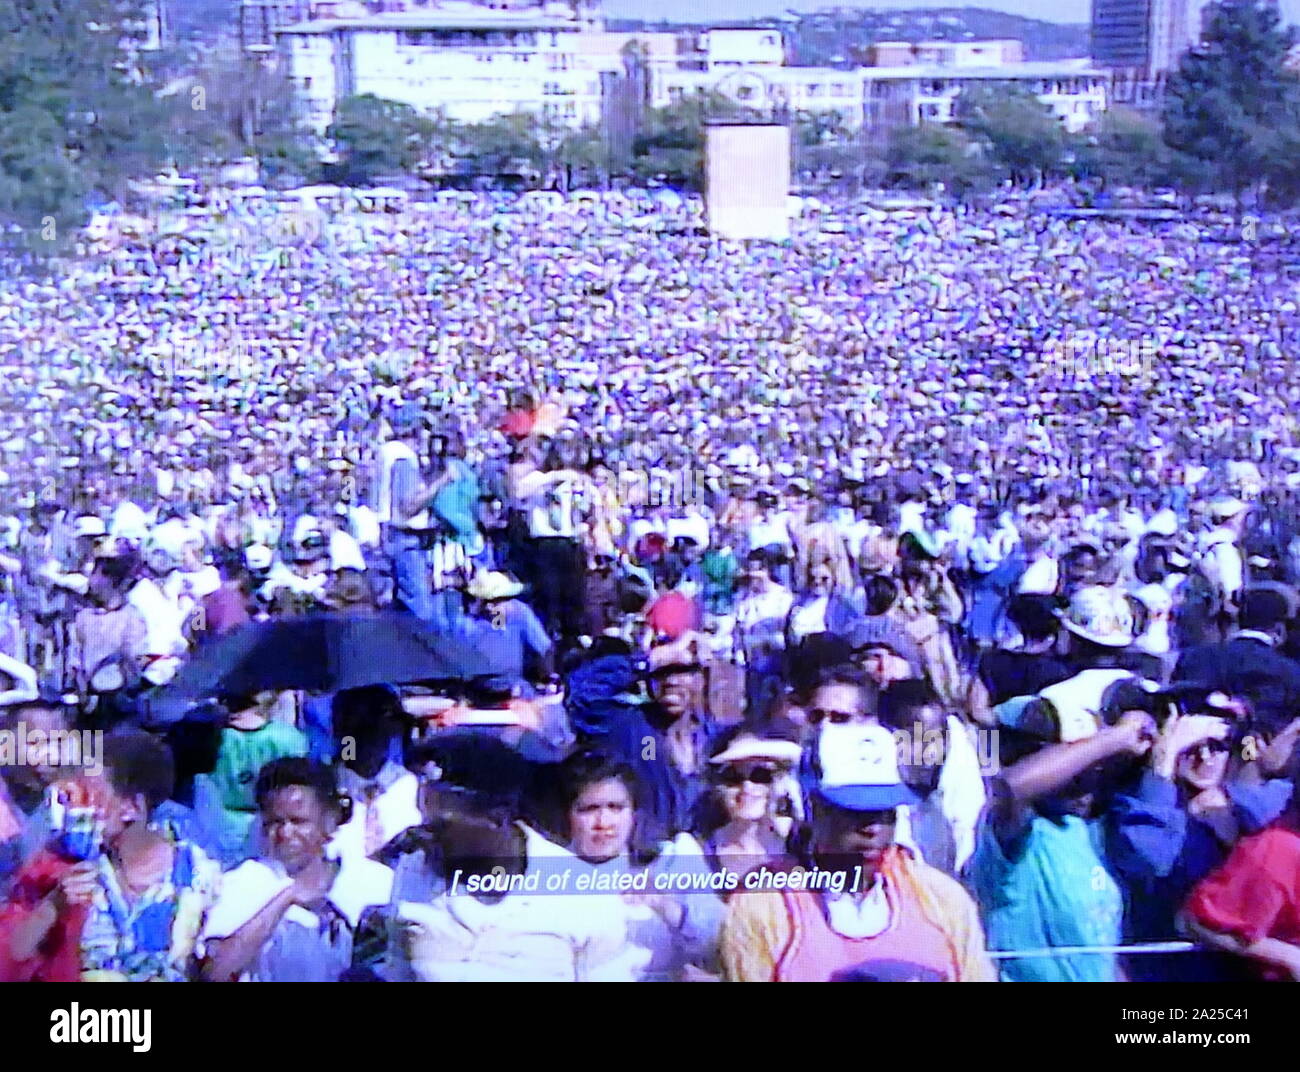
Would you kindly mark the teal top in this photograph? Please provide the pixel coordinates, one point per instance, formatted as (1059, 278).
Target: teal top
(1054, 890)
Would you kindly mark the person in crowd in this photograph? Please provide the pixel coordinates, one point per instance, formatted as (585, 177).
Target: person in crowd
(1249, 664)
(45, 722)
(756, 802)
(1032, 663)
(109, 642)
(1186, 815)
(887, 918)
(369, 726)
(500, 622)
(667, 931)
(402, 504)
(1040, 870)
(109, 898)
(290, 915)
(1247, 906)
(941, 768)
(489, 923)
(761, 614)
(252, 736)
(821, 608)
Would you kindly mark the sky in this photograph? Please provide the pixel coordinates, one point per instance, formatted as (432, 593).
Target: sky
(723, 10)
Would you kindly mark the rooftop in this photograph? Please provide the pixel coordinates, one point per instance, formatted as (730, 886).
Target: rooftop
(1036, 69)
(485, 19)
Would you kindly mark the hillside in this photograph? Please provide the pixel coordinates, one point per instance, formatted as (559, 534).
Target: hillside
(827, 38)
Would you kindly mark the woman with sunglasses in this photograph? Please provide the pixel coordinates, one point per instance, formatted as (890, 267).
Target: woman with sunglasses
(1180, 824)
(755, 802)
(822, 608)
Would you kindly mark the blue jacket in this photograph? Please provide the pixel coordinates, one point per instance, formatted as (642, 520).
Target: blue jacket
(1161, 852)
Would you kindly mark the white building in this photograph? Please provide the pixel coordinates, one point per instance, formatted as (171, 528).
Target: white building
(728, 49)
(789, 90)
(988, 52)
(472, 62)
(1074, 90)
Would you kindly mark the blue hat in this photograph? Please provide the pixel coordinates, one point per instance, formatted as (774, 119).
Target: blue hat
(858, 768)
(407, 417)
(866, 797)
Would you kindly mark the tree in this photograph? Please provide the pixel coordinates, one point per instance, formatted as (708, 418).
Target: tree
(920, 156)
(503, 145)
(584, 156)
(1232, 104)
(1123, 147)
(670, 145)
(231, 108)
(1019, 131)
(378, 137)
(77, 116)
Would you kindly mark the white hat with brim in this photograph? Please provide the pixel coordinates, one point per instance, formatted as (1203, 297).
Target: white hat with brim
(1164, 523)
(492, 586)
(1226, 507)
(90, 526)
(1101, 615)
(754, 748)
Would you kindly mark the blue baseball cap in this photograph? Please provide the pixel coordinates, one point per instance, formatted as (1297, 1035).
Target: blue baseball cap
(858, 768)
(866, 797)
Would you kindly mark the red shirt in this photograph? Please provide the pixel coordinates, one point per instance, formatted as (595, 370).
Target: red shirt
(518, 423)
(1256, 893)
(59, 958)
(224, 610)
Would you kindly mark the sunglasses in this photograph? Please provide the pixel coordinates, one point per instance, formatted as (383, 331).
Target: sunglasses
(736, 776)
(837, 718)
(1210, 748)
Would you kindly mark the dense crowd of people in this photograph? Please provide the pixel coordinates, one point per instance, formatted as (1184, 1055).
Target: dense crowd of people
(915, 600)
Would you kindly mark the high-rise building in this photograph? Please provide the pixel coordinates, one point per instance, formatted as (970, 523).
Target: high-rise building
(1144, 38)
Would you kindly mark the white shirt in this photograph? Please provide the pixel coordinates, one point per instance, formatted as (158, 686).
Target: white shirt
(853, 918)
(809, 618)
(24, 678)
(524, 937)
(1160, 610)
(554, 509)
(1041, 577)
(345, 552)
(129, 522)
(365, 526)
(854, 530)
(911, 517)
(941, 829)
(187, 589)
(765, 532)
(390, 454)
(163, 618)
(1223, 562)
(397, 807)
(761, 617)
(250, 887)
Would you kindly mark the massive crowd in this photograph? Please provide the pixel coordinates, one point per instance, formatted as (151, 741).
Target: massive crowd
(915, 599)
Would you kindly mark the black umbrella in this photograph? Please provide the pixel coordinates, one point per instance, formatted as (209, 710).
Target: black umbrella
(322, 653)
